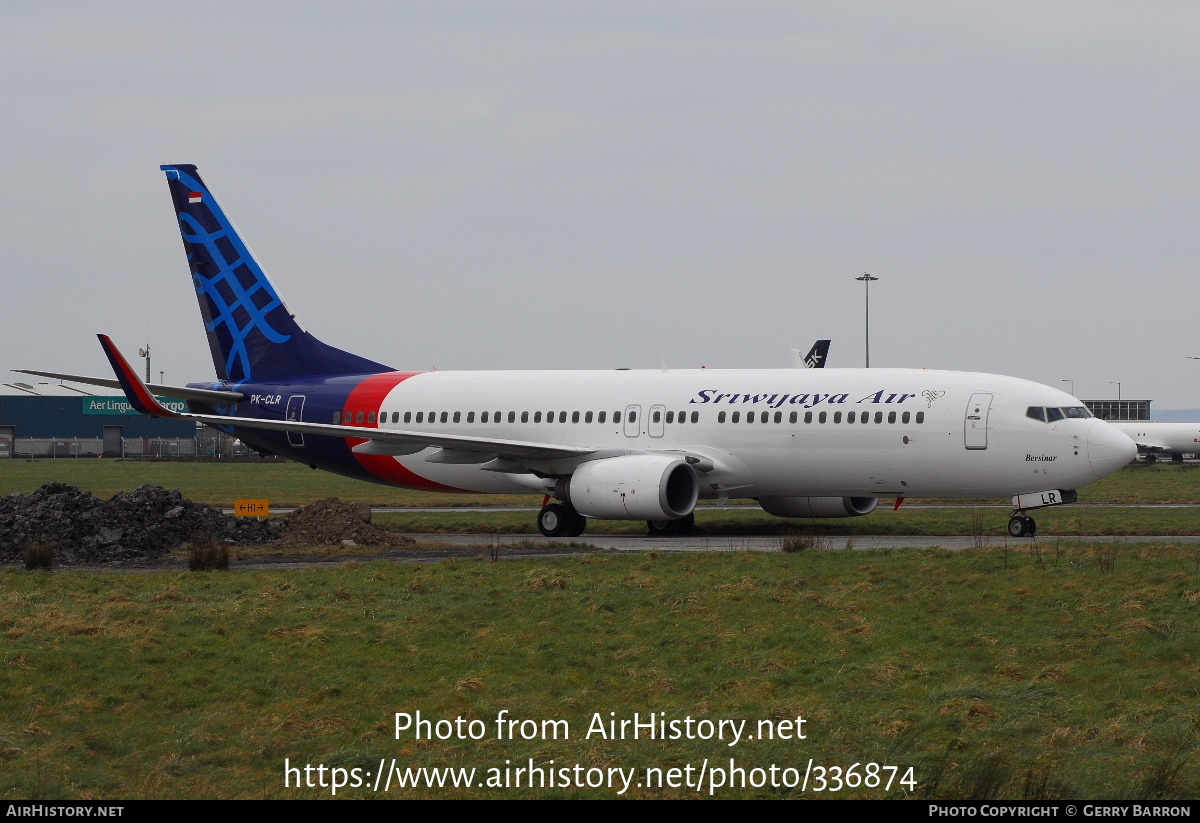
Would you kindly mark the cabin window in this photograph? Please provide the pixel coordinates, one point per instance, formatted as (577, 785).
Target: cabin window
(837, 417)
(358, 417)
(524, 416)
(562, 417)
(537, 417)
(792, 417)
(458, 417)
(737, 416)
(850, 417)
(865, 417)
(483, 418)
(497, 417)
(920, 417)
(616, 417)
(657, 416)
(778, 417)
(696, 417)
(721, 417)
(550, 417)
(395, 417)
(878, 417)
(408, 417)
(600, 417)
(821, 417)
(512, 417)
(891, 417)
(574, 417)
(420, 416)
(632, 417)
(670, 416)
(749, 417)
(587, 417)
(443, 417)
(337, 417)
(808, 417)
(904, 418)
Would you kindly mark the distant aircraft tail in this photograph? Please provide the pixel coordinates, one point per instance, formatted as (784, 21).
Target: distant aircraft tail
(815, 359)
(251, 333)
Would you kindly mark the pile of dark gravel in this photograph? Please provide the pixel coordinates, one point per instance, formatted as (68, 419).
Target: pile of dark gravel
(145, 523)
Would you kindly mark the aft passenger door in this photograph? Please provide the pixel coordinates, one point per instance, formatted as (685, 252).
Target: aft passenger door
(295, 414)
(976, 423)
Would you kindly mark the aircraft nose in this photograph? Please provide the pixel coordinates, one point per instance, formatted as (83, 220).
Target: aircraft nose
(1108, 449)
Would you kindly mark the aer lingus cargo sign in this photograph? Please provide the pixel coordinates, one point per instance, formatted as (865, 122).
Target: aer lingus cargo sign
(119, 405)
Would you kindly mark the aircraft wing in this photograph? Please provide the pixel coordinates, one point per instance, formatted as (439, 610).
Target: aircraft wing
(180, 392)
(382, 441)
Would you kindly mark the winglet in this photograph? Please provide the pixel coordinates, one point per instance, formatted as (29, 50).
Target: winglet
(135, 390)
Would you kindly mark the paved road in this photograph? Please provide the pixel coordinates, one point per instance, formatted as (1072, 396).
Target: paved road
(638, 543)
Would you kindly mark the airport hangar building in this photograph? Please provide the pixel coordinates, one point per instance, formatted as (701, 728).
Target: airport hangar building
(59, 420)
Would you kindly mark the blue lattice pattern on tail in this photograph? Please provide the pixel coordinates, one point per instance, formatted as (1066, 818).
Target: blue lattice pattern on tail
(251, 334)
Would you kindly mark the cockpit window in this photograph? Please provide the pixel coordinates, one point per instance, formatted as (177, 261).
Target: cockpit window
(1053, 415)
(1036, 413)
(1077, 411)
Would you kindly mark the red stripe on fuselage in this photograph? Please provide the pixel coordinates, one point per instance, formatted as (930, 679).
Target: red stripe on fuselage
(367, 397)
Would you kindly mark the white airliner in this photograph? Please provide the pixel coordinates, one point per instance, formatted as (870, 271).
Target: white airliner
(1153, 439)
(621, 445)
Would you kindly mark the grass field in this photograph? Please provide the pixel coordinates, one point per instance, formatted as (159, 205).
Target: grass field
(1052, 670)
(1069, 672)
(288, 484)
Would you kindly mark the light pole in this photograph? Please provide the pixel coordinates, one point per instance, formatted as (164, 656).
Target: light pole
(866, 280)
(1118, 385)
(1072, 382)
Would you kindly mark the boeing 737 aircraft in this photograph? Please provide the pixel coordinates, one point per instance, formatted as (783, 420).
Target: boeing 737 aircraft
(621, 445)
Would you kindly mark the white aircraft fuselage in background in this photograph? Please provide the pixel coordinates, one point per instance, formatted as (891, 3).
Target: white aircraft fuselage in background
(1156, 438)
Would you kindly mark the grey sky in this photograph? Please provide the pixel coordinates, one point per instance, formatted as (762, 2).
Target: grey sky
(589, 185)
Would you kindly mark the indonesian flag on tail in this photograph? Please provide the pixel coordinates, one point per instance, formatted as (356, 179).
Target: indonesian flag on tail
(195, 197)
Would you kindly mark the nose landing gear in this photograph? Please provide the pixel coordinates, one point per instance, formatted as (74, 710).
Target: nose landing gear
(1022, 525)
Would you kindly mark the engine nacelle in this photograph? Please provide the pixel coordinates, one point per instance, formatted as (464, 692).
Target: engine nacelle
(634, 487)
(818, 506)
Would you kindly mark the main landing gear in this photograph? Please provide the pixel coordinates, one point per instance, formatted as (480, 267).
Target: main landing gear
(671, 528)
(559, 520)
(1022, 525)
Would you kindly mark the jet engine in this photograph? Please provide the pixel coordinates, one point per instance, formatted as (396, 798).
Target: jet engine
(634, 487)
(818, 506)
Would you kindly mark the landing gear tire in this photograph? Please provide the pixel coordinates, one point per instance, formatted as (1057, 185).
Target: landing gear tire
(1152, 458)
(1020, 526)
(554, 520)
(671, 528)
(577, 526)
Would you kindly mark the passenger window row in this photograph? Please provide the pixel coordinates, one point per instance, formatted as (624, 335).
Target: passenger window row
(408, 417)
(825, 417)
(368, 418)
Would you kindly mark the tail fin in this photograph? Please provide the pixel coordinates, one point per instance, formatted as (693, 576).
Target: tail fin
(815, 359)
(251, 333)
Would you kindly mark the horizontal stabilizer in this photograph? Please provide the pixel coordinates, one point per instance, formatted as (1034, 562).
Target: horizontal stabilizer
(212, 396)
